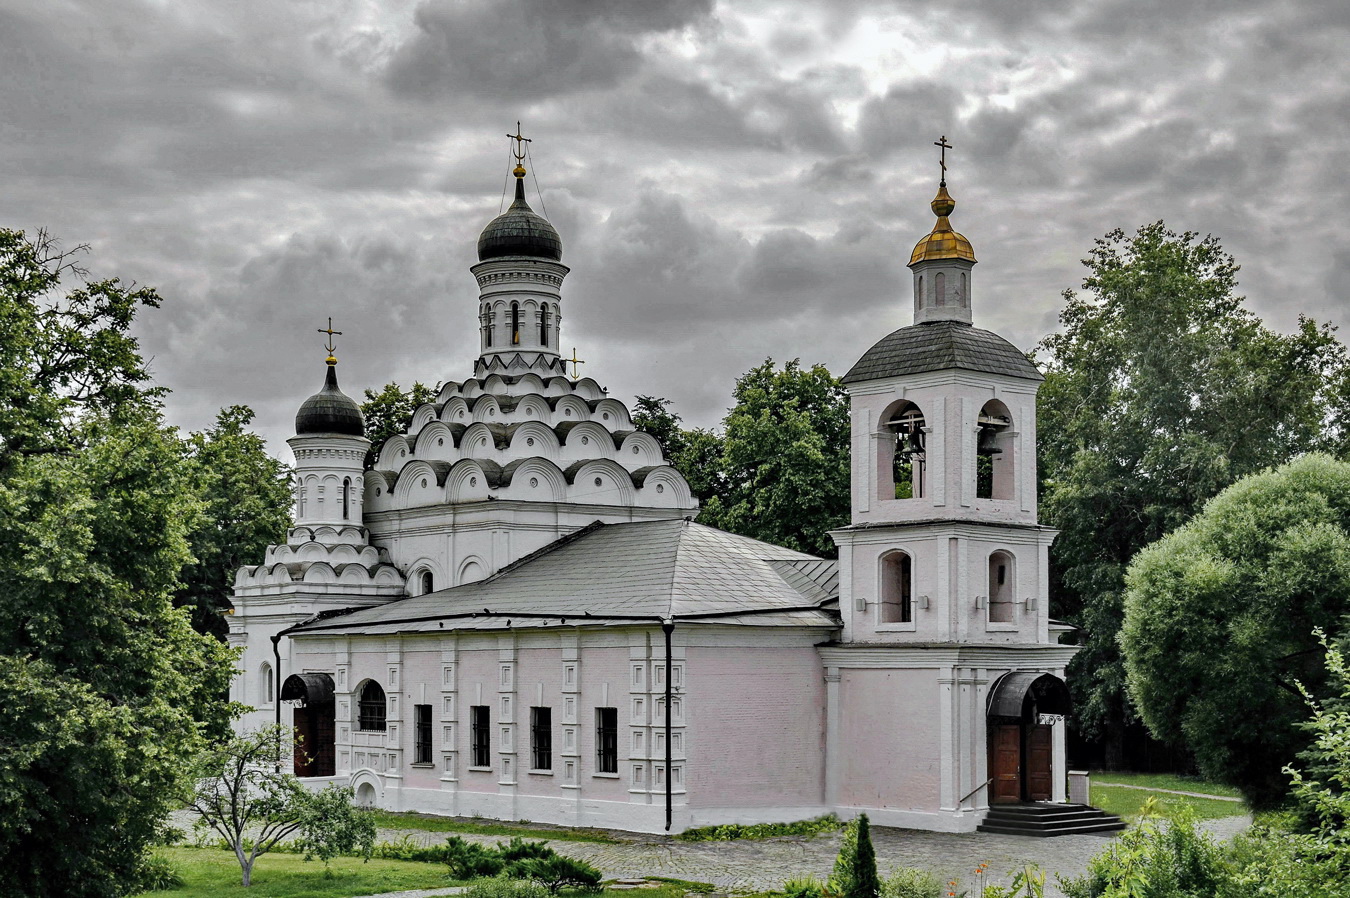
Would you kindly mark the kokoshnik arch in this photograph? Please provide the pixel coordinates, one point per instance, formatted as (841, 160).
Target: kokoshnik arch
(513, 615)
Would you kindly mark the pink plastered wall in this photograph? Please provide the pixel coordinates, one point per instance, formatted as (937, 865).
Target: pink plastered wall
(889, 739)
(756, 721)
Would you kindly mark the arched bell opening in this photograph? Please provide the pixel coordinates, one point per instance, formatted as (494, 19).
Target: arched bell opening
(311, 695)
(902, 457)
(994, 456)
(1023, 710)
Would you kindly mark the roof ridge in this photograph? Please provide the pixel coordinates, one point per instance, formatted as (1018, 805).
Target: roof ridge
(547, 549)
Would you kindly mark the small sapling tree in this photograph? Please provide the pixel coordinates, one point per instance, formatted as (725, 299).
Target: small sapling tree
(245, 797)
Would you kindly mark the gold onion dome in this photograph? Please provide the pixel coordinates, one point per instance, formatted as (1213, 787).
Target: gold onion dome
(942, 242)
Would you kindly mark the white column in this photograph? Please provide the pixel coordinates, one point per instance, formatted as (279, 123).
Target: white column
(1059, 762)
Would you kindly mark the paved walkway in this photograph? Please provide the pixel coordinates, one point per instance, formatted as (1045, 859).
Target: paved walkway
(1168, 791)
(749, 865)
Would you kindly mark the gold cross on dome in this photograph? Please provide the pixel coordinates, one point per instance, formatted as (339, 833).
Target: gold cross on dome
(942, 161)
(575, 362)
(331, 333)
(519, 149)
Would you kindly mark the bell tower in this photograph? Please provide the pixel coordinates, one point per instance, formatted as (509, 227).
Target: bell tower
(944, 566)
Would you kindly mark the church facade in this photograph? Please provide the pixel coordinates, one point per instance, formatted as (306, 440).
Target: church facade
(513, 614)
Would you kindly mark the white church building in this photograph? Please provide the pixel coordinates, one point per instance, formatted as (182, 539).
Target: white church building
(513, 614)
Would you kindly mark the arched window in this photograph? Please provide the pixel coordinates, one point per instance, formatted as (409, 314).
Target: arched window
(487, 329)
(515, 324)
(370, 707)
(919, 298)
(902, 455)
(300, 502)
(426, 582)
(964, 299)
(1002, 583)
(265, 684)
(897, 589)
(346, 498)
(940, 289)
(994, 461)
(543, 326)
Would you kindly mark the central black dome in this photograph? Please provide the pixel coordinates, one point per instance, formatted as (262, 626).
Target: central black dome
(519, 231)
(330, 410)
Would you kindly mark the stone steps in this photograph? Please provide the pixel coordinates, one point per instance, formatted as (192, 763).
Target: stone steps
(1043, 819)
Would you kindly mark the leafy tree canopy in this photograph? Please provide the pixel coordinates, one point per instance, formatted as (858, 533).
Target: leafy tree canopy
(389, 412)
(246, 506)
(104, 686)
(1220, 618)
(782, 472)
(1161, 389)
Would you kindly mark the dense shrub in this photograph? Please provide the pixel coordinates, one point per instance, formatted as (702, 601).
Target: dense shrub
(730, 831)
(157, 874)
(469, 860)
(557, 872)
(907, 882)
(1158, 860)
(519, 850)
(803, 887)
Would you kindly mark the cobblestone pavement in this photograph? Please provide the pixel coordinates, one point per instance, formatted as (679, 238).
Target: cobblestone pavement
(747, 865)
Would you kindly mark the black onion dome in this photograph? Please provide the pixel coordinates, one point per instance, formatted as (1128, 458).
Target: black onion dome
(519, 231)
(330, 411)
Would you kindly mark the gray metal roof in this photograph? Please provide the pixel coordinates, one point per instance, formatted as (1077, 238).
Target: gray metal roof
(935, 345)
(617, 573)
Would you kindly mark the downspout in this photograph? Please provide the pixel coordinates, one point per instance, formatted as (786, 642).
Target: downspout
(276, 694)
(667, 627)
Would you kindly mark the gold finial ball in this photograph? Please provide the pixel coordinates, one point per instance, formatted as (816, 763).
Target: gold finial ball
(332, 360)
(943, 204)
(519, 171)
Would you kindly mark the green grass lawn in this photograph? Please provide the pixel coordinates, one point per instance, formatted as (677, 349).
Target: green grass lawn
(210, 872)
(1165, 781)
(428, 823)
(1126, 803)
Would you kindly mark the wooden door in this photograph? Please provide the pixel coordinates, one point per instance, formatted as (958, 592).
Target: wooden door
(1005, 764)
(1039, 751)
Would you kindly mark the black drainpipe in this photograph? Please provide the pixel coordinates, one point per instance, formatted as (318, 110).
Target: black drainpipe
(276, 694)
(667, 627)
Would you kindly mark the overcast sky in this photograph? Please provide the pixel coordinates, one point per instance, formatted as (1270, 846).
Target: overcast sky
(732, 181)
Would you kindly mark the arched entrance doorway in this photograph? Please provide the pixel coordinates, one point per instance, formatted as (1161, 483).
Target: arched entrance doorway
(315, 719)
(1023, 707)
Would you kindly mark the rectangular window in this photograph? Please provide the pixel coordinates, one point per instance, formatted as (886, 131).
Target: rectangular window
(607, 740)
(421, 734)
(541, 738)
(481, 733)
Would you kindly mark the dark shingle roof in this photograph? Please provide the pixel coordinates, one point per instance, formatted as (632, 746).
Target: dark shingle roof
(935, 345)
(621, 571)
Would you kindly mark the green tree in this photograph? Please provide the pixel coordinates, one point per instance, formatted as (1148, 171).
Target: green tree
(105, 689)
(242, 795)
(246, 506)
(855, 867)
(1161, 389)
(784, 458)
(1219, 621)
(389, 412)
(696, 453)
